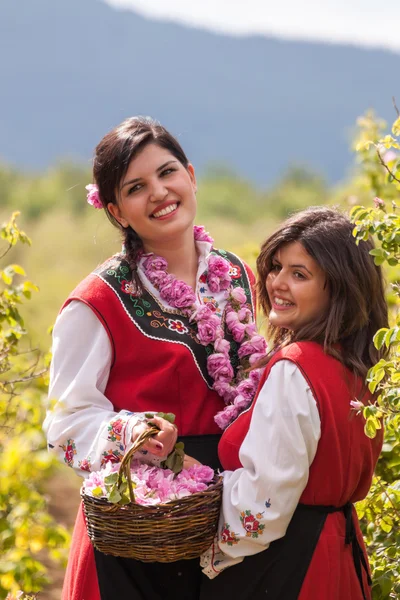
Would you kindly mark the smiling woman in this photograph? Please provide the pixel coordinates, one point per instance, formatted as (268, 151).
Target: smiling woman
(296, 287)
(298, 459)
(147, 332)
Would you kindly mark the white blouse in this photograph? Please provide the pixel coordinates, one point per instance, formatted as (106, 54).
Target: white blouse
(260, 498)
(81, 425)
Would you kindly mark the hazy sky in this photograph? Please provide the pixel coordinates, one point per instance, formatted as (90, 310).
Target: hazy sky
(366, 22)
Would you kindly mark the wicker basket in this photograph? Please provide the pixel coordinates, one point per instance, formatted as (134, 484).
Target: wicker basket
(180, 529)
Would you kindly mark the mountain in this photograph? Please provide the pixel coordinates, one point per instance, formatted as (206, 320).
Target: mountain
(72, 69)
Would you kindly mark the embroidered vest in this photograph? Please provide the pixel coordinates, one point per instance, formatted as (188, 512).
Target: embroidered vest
(158, 362)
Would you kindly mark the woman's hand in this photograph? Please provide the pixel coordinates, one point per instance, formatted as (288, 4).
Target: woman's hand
(163, 442)
(189, 461)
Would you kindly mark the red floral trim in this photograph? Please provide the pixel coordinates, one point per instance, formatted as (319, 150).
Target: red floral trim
(115, 430)
(128, 287)
(69, 452)
(251, 524)
(111, 455)
(178, 326)
(85, 464)
(235, 271)
(228, 537)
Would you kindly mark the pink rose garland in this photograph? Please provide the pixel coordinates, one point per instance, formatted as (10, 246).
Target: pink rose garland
(238, 391)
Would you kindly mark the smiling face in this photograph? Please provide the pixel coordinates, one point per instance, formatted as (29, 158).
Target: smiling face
(296, 288)
(156, 197)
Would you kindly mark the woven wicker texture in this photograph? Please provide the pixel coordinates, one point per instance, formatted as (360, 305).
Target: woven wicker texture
(181, 529)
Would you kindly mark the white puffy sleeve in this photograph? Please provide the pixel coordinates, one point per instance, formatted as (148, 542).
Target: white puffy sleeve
(260, 498)
(81, 425)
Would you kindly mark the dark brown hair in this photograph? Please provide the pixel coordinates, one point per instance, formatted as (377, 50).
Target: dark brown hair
(357, 300)
(112, 158)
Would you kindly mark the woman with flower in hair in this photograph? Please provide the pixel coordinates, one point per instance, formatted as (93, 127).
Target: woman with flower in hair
(298, 458)
(165, 326)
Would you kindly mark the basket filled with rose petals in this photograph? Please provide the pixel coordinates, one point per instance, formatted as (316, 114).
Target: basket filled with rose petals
(152, 514)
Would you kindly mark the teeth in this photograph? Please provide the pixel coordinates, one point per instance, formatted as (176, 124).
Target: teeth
(165, 211)
(282, 302)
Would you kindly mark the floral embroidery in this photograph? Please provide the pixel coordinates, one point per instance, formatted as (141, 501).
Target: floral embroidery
(268, 503)
(203, 278)
(202, 290)
(69, 452)
(115, 430)
(85, 464)
(177, 325)
(111, 455)
(235, 271)
(211, 302)
(251, 523)
(128, 287)
(228, 537)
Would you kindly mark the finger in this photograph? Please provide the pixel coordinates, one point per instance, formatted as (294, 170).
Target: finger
(155, 447)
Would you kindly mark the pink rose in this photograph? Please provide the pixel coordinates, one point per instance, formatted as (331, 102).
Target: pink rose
(251, 329)
(238, 330)
(231, 318)
(255, 344)
(224, 417)
(93, 196)
(226, 391)
(239, 295)
(216, 284)
(244, 314)
(219, 366)
(177, 293)
(158, 278)
(218, 266)
(356, 404)
(155, 263)
(379, 203)
(246, 388)
(207, 329)
(200, 234)
(221, 345)
(202, 312)
(255, 376)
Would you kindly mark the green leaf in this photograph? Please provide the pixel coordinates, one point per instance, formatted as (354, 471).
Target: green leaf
(396, 127)
(167, 416)
(114, 496)
(364, 145)
(379, 337)
(111, 479)
(370, 428)
(386, 525)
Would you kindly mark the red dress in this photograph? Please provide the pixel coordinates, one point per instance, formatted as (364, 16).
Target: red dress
(341, 472)
(158, 364)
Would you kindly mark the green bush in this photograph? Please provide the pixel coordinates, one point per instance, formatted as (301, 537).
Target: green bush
(380, 512)
(26, 528)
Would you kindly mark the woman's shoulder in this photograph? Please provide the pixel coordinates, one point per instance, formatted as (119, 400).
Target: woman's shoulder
(99, 281)
(300, 353)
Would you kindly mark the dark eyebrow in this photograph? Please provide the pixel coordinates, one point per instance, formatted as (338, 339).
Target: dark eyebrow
(292, 266)
(157, 171)
(301, 267)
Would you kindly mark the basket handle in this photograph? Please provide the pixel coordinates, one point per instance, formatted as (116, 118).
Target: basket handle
(125, 466)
